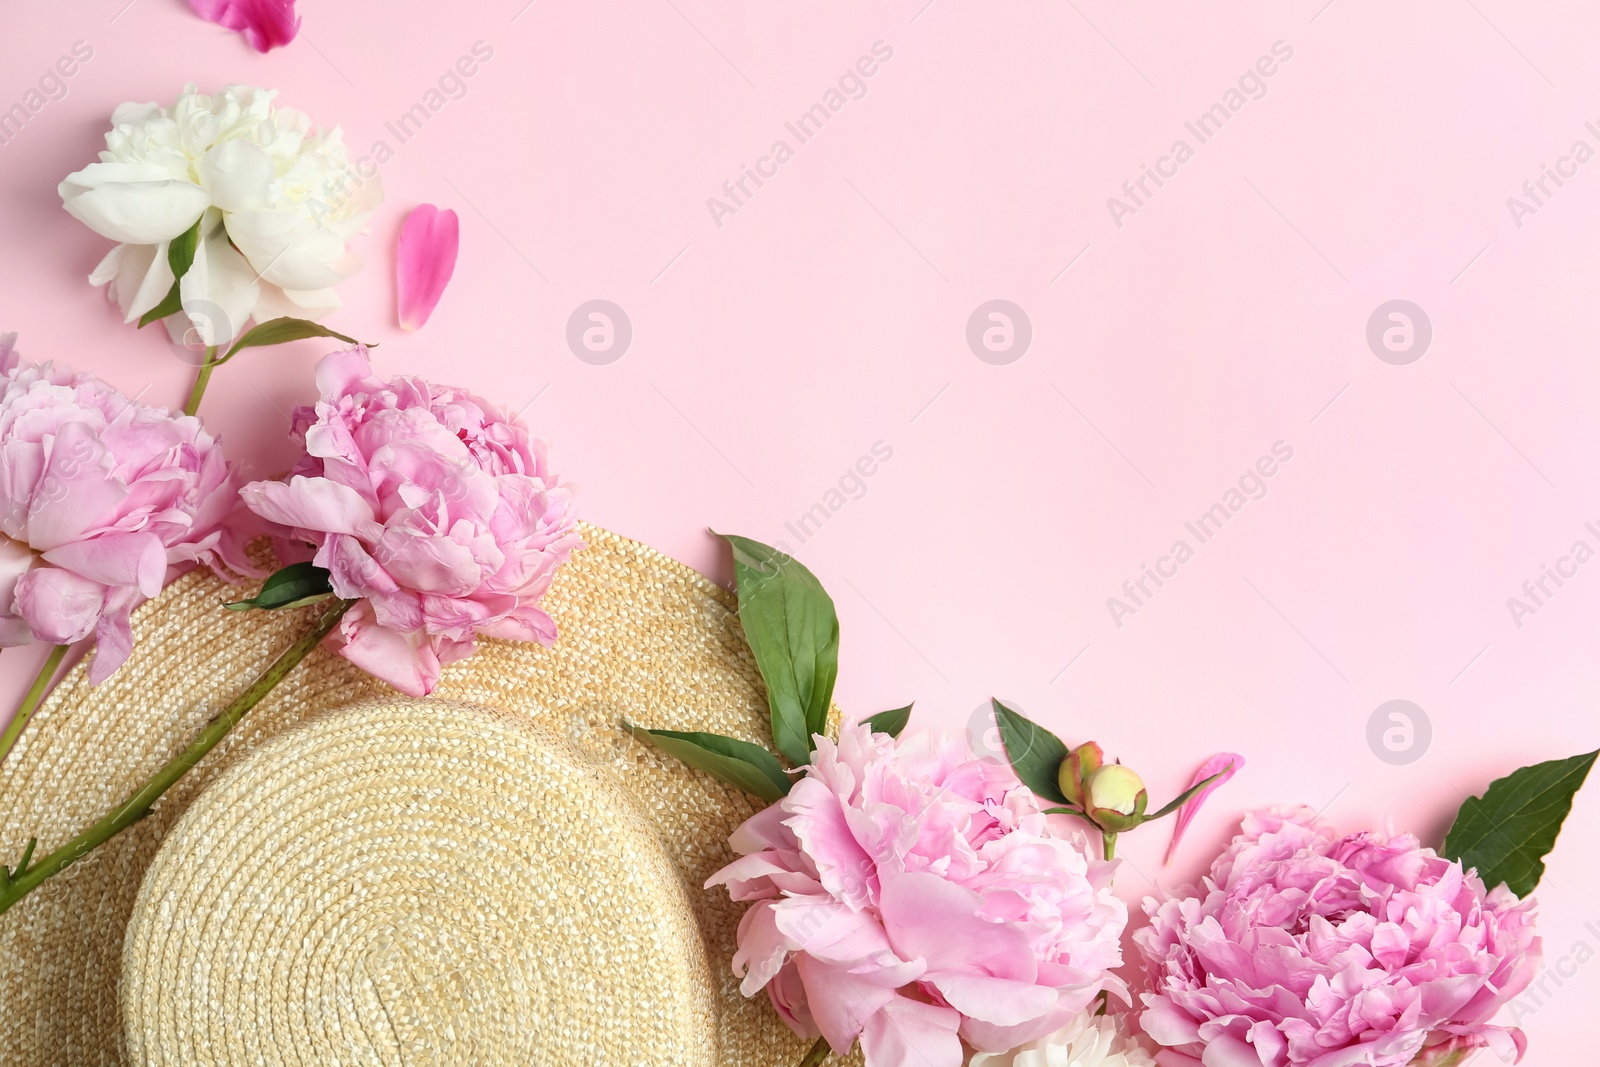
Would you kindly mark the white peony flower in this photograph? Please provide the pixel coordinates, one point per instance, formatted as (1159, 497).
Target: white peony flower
(1086, 1041)
(275, 198)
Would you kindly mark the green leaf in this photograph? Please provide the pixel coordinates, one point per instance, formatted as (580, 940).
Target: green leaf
(890, 722)
(292, 587)
(1507, 832)
(1035, 753)
(282, 331)
(740, 763)
(180, 257)
(793, 631)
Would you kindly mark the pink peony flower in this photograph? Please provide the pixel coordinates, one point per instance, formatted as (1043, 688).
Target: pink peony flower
(433, 509)
(104, 501)
(1307, 948)
(915, 896)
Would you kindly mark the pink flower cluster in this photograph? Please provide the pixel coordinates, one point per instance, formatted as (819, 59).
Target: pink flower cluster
(428, 505)
(105, 500)
(914, 896)
(1307, 949)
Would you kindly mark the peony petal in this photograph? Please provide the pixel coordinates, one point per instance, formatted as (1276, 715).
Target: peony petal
(218, 292)
(59, 606)
(113, 644)
(237, 175)
(1227, 764)
(1000, 1001)
(841, 1001)
(123, 202)
(908, 1033)
(426, 258)
(308, 504)
(15, 561)
(763, 950)
(929, 918)
(406, 661)
(266, 24)
(126, 559)
(75, 496)
(291, 251)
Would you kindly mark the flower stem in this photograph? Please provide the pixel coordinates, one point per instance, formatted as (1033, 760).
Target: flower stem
(818, 1053)
(1109, 843)
(30, 702)
(201, 380)
(14, 885)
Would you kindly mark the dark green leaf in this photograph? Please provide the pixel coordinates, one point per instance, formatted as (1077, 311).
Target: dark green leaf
(1177, 802)
(740, 763)
(790, 624)
(292, 587)
(282, 331)
(890, 722)
(1035, 753)
(1507, 832)
(180, 257)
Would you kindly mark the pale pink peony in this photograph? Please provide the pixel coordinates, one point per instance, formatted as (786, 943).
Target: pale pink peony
(102, 502)
(433, 509)
(914, 896)
(1306, 949)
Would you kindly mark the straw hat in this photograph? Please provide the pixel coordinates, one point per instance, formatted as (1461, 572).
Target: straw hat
(497, 875)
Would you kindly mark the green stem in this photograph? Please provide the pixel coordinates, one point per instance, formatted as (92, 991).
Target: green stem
(30, 702)
(201, 380)
(1109, 842)
(818, 1053)
(15, 886)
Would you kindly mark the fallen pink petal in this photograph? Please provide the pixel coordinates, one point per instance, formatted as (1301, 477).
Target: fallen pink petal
(266, 24)
(426, 259)
(1227, 765)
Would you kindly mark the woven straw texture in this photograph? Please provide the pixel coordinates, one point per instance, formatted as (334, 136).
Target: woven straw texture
(409, 883)
(642, 638)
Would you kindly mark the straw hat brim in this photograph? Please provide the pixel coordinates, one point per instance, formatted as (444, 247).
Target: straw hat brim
(643, 638)
(416, 882)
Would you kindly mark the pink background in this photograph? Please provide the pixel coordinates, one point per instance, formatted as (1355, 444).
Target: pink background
(828, 313)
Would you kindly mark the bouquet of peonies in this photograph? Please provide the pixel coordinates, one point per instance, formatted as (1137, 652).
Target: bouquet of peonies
(428, 517)
(941, 909)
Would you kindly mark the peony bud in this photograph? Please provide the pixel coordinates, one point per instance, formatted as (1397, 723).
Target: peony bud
(1075, 770)
(1116, 798)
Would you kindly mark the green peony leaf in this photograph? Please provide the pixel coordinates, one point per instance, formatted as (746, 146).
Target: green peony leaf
(1507, 832)
(890, 722)
(180, 257)
(1035, 753)
(739, 763)
(282, 331)
(793, 631)
(294, 586)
